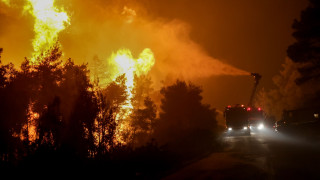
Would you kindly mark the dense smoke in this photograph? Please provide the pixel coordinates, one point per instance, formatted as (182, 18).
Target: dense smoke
(175, 53)
(98, 28)
(288, 95)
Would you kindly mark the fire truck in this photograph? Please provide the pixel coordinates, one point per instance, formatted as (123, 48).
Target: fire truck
(241, 118)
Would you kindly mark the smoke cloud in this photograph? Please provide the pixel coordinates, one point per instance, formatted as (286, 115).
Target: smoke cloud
(98, 28)
(288, 95)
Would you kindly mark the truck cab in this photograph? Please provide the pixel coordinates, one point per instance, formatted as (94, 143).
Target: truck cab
(256, 118)
(237, 119)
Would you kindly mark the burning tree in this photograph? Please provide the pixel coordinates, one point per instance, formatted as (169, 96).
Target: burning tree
(49, 104)
(110, 102)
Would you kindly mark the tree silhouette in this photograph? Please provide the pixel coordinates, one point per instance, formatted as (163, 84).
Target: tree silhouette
(52, 117)
(183, 115)
(110, 101)
(62, 96)
(106, 125)
(142, 122)
(116, 93)
(306, 49)
(141, 90)
(14, 102)
(78, 107)
(144, 110)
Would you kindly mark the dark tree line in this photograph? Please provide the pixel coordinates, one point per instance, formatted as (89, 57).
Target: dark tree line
(306, 49)
(53, 97)
(305, 52)
(189, 124)
(297, 84)
(52, 114)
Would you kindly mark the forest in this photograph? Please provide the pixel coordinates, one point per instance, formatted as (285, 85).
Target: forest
(55, 119)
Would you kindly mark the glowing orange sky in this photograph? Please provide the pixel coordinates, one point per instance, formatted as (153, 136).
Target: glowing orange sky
(250, 35)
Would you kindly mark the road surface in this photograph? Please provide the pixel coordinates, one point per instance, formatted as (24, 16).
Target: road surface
(263, 155)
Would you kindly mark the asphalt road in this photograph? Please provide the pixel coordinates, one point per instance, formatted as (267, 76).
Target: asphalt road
(262, 155)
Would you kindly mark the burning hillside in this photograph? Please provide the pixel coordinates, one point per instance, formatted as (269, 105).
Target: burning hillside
(115, 34)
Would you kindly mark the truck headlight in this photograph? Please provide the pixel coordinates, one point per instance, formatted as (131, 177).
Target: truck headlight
(229, 129)
(261, 126)
(245, 128)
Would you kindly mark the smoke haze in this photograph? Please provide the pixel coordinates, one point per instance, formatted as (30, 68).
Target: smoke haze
(98, 28)
(288, 95)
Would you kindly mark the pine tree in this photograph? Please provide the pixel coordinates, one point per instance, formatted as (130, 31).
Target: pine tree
(306, 49)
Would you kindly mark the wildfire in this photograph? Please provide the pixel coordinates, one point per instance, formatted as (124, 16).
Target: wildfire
(29, 130)
(49, 21)
(123, 63)
(31, 127)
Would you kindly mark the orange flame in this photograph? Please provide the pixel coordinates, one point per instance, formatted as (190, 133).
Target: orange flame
(49, 21)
